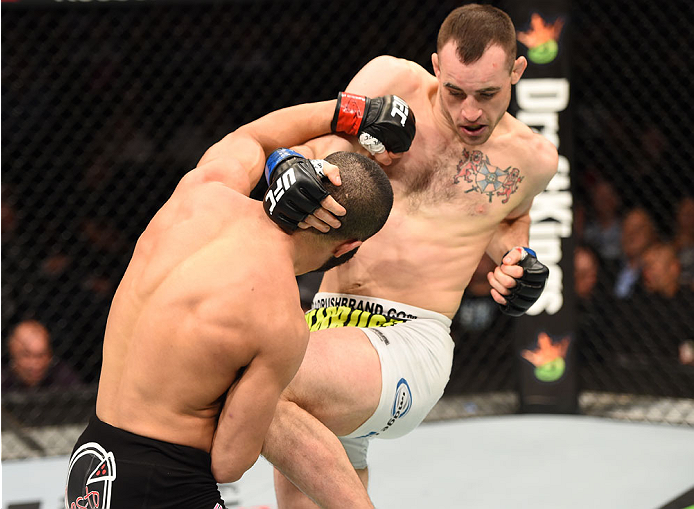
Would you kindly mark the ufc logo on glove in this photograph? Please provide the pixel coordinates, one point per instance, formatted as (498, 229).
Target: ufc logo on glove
(400, 109)
(286, 180)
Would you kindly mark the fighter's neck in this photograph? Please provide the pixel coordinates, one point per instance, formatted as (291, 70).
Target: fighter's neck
(443, 123)
(306, 253)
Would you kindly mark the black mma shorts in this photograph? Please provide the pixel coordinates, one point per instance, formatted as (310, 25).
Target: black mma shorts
(114, 469)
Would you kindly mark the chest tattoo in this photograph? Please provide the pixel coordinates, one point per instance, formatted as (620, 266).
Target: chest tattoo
(476, 169)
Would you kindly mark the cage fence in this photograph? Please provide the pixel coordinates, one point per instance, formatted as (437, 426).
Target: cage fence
(106, 107)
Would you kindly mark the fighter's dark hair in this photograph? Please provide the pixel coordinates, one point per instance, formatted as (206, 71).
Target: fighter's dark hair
(365, 193)
(475, 27)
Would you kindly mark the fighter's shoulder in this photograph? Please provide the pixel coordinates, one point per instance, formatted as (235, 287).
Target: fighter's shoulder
(392, 75)
(281, 325)
(276, 300)
(264, 306)
(389, 65)
(541, 155)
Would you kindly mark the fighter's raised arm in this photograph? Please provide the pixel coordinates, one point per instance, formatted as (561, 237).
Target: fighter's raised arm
(238, 159)
(385, 74)
(389, 121)
(379, 123)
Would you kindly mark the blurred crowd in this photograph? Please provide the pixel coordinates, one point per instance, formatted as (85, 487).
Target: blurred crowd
(96, 134)
(634, 279)
(32, 362)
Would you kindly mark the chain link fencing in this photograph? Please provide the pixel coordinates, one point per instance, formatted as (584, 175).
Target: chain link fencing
(106, 106)
(635, 208)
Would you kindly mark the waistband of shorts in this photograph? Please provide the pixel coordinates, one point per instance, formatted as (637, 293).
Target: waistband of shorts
(375, 305)
(141, 449)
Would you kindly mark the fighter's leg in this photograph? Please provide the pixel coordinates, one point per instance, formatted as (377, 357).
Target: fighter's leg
(289, 496)
(339, 381)
(338, 384)
(356, 448)
(313, 457)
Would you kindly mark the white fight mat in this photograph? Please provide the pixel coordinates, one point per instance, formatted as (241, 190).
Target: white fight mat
(514, 461)
(520, 461)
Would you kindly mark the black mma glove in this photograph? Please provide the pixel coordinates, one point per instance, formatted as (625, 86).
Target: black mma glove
(528, 287)
(381, 123)
(295, 190)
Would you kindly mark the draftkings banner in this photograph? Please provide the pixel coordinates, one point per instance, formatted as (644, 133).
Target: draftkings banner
(545, 337)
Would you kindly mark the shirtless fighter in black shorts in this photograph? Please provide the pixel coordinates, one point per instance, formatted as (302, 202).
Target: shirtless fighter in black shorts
(206, 328)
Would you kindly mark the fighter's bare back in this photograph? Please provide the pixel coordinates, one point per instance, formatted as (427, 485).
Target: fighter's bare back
(184, 322)
(450, 199)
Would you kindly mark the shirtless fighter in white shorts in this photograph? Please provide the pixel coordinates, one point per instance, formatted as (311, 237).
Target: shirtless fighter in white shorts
(381, 352)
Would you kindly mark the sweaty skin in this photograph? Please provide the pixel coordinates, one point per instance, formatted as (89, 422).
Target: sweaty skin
(183, 326)
(442, 223)
(206, 327)
(447, 213)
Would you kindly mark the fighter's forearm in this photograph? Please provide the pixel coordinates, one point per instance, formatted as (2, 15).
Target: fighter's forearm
(509, 233)
(292, 126)
(311, 456)
(245, 149)
(320, 147)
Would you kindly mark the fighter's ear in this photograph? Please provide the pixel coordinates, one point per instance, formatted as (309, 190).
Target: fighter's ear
(346, 247)
(518, 69)
(435, 63)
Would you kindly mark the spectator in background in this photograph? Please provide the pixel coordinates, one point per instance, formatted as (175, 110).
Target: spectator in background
(603, 229)
(684, 240)
(592, 306)
(32, 363)
(687, 352)
(586, 266)
(661, 272)
(638, 233)
(662, 309)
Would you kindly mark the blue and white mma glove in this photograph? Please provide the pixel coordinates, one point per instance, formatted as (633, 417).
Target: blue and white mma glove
(295, 190)
(528, 287)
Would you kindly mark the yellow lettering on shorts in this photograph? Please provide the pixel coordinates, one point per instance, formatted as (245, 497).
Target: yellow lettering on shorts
(323, 316)
(339, 318)
(310, 314)
(353, 317)
(342, 316)
(377, 321)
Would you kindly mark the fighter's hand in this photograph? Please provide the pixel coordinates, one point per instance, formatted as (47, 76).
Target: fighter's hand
(325, 217)
(518, 282)
(386, 158)
(382, 124)
(295, 191)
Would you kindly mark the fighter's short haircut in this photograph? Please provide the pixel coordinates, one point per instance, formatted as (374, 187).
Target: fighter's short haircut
(365, 192)
(474, 28)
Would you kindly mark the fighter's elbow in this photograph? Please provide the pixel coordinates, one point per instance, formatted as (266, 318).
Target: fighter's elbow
(227, 468)
(224, 477)
(225, 472)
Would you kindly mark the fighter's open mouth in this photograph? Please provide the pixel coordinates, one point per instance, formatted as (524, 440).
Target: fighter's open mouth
(473, 129)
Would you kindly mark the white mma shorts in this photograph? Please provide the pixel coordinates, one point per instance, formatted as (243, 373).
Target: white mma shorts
(415, 348)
